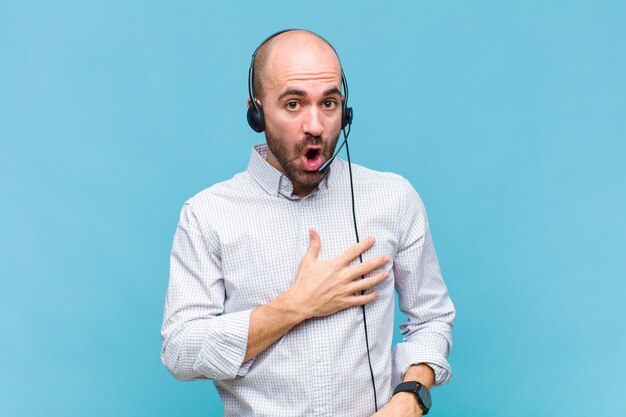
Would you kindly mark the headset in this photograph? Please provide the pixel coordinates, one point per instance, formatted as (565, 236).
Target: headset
(257, 123)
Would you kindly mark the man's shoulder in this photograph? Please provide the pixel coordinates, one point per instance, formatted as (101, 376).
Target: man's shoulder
(373, 178)
(221, 193)
(396, 189)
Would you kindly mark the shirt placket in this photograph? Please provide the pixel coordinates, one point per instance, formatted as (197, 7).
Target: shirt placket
(318, 348)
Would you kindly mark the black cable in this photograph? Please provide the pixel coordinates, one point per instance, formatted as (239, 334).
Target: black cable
(356, 232)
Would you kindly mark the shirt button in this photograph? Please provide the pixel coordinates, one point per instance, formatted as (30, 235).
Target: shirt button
(319, 359)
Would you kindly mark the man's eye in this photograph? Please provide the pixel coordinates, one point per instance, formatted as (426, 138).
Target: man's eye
(292, 105)
(330, 104)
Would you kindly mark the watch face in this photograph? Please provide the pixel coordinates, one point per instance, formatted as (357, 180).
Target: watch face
(425, 396)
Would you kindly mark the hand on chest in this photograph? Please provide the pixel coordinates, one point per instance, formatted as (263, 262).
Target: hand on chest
(261, 255)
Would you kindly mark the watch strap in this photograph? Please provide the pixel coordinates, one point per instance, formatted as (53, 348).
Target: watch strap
(416, 388)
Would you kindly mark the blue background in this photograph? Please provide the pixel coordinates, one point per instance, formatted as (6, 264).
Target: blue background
(508, 117)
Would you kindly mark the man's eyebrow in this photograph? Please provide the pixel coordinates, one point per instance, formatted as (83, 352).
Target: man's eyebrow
(332, 91)
(292, 92)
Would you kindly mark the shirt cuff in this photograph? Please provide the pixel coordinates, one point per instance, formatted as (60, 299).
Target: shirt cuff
(424, 348)
(224, 347)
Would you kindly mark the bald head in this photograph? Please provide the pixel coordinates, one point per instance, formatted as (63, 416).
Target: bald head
(286, 47)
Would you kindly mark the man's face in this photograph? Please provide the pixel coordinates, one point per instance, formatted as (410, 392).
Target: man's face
(302, 109)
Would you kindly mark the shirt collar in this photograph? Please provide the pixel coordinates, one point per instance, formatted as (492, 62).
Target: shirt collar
(273, 181)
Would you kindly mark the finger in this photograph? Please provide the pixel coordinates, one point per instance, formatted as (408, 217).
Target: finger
(368, 266)
(314, 245)
(354, 251)
(357, 300)
(367, 283)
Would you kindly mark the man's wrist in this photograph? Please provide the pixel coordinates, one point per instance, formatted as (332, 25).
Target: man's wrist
(421, 373)
(290, 309)
(407, 401)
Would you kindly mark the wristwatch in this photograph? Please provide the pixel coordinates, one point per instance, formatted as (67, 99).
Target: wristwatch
(421, 392)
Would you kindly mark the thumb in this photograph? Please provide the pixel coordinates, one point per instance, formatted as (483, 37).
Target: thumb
(314, 245)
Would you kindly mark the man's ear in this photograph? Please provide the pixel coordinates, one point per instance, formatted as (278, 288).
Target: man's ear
(258, 102)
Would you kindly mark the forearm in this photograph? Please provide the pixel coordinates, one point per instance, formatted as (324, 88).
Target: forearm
(270, 322)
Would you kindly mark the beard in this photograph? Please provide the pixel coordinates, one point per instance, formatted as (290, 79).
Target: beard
(290, 160)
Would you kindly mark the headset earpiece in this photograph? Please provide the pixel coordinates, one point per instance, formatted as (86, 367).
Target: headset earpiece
(346, 116)
(255, 117)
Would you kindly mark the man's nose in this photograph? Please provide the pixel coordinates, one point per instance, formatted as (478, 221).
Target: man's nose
(313, 123)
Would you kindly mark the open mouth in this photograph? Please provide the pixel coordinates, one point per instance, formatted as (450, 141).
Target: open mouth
(312, 158)
(312, 153)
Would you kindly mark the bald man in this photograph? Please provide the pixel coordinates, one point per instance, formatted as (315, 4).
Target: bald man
(266, 292)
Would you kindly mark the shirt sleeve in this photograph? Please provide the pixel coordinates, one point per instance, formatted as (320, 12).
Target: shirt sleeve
(199, 340)
(423, 296)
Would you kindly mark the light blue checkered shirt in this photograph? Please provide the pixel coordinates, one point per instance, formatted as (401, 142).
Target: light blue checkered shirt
(238, 245)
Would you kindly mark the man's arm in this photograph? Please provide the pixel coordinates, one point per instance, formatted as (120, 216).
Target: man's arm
(201, 342)
(423, 296)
